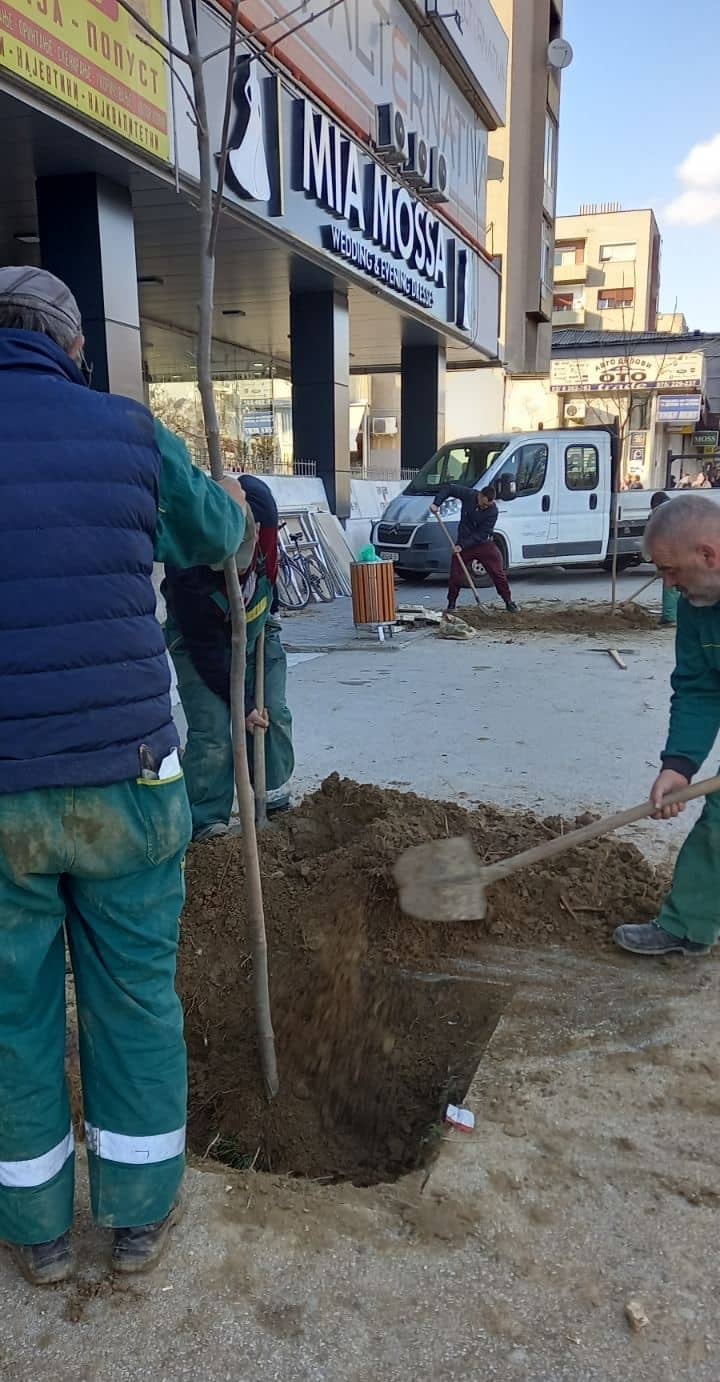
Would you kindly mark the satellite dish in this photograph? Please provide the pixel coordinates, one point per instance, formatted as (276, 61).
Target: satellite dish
(559, 53)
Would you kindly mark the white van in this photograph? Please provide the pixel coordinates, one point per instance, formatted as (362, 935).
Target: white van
(554, 492)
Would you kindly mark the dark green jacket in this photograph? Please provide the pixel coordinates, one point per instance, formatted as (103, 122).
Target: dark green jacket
(695, 705)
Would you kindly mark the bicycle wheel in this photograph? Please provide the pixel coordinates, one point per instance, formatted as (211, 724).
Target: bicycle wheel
(320, 580)
(293, 587)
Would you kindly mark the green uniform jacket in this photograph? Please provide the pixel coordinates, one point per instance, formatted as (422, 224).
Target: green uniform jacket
(198, 524)
(695, 705)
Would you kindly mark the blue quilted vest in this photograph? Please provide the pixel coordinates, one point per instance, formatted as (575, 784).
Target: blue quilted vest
(84, 678)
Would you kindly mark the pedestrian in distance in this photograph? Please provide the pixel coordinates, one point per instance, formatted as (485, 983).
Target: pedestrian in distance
(478, 517)
(683, 540)
(94, 815)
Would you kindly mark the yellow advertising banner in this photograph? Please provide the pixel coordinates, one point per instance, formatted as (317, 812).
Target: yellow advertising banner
(91, 56)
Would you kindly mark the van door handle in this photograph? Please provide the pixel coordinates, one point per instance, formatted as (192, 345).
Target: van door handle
(593, 501)
(545, 503)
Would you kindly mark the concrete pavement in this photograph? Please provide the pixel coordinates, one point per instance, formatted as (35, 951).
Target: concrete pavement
(593, 1175)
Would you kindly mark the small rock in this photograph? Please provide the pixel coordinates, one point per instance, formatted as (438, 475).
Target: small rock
(635, 1314)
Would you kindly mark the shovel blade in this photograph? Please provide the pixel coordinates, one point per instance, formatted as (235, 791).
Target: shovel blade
(441, 881)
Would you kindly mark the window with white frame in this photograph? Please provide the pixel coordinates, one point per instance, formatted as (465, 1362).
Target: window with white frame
(550, 163)
(618, 254)
(546, 266)
(568, 300)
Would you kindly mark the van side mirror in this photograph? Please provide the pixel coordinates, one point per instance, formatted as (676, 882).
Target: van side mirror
(507, 488)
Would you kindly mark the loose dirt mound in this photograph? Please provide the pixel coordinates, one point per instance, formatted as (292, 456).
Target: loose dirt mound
(368, 1058)
(587, 619)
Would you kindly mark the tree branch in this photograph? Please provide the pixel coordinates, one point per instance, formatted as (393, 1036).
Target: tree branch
(222, 160)
(154, 33)
(165, 57)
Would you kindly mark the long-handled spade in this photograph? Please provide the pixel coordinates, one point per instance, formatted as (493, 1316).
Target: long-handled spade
(469, 578)
(259, 779)
(445, 881)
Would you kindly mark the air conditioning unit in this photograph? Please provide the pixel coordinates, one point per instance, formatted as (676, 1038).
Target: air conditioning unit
(575, 412)
(417, 168)
(439, 177)
(392, 136)
(384, 426)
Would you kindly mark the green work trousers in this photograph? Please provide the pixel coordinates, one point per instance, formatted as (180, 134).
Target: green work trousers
(208, 757)
(692, 907)
(103, 866)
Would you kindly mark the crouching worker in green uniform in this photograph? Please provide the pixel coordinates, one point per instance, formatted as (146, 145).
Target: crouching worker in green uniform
(683, 540)
(94, 816)
(198, 634)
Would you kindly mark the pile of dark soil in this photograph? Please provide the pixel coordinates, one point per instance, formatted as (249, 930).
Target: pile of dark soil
(588, 619)
(368, 1055)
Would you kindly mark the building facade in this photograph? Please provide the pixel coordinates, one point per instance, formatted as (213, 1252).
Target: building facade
(522, 184)
(606, 269)
(351, 235)
(661, 392)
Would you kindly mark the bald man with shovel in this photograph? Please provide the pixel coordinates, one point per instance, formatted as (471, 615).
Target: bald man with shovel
(682, 538)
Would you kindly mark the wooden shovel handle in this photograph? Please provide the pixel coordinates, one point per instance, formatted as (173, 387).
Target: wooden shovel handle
(591, 832)
(470, 580)
(258, 739)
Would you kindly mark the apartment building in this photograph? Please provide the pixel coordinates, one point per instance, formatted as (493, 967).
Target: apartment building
(522, 182)
(606, 269)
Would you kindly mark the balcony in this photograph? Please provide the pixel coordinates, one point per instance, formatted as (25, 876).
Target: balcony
(570, 273)
(568, 316)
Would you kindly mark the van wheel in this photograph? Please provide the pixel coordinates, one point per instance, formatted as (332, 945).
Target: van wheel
(405, 575)
(481, 579)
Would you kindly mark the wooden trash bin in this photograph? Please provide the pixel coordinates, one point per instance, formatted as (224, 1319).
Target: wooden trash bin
(372, 585)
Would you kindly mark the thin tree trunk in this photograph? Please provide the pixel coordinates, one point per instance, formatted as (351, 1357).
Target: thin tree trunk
(208, 232)
(614, 540)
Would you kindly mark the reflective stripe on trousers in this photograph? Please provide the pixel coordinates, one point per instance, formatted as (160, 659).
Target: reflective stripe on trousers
(38, 1170)
(135, 1151)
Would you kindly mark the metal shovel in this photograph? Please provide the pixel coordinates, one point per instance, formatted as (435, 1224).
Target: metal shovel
(445, 881)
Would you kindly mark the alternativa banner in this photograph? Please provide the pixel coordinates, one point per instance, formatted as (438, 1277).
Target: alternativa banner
(91, 56)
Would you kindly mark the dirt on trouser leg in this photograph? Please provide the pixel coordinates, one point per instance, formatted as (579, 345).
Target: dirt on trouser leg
(368, 1055)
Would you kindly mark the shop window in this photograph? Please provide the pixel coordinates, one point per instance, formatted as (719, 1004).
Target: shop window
(582, 467)
(609, 299)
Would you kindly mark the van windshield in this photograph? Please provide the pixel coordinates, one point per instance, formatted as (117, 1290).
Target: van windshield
(457, 464)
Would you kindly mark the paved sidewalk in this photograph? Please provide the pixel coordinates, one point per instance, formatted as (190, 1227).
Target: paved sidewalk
(592, 1178)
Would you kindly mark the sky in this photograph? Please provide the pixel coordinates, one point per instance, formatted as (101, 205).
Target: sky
(640, 125)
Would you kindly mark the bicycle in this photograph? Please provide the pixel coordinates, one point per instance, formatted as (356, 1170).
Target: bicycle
(301, 576)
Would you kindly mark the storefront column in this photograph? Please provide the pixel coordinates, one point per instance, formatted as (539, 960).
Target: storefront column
(422, 404)
(87, 238)
(320, 356)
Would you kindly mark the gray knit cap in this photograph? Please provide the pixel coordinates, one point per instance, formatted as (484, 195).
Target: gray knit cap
(41, 292)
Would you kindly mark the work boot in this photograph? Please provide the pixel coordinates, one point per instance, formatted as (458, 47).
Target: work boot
(653, 939)
(216, 831)
(44, 1264)
(140, 1249)
(511, 607)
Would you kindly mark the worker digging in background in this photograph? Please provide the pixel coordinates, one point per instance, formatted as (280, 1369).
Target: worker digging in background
(198, 634)
(474, 540)
(94, 815)
(683, 540)
(670, 596)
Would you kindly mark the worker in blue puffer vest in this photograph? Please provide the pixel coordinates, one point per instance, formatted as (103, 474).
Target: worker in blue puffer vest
(94, 815)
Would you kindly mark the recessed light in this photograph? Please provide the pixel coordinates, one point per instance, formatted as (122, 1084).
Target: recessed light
(146, 279)
(233, 312)
(27, 237)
